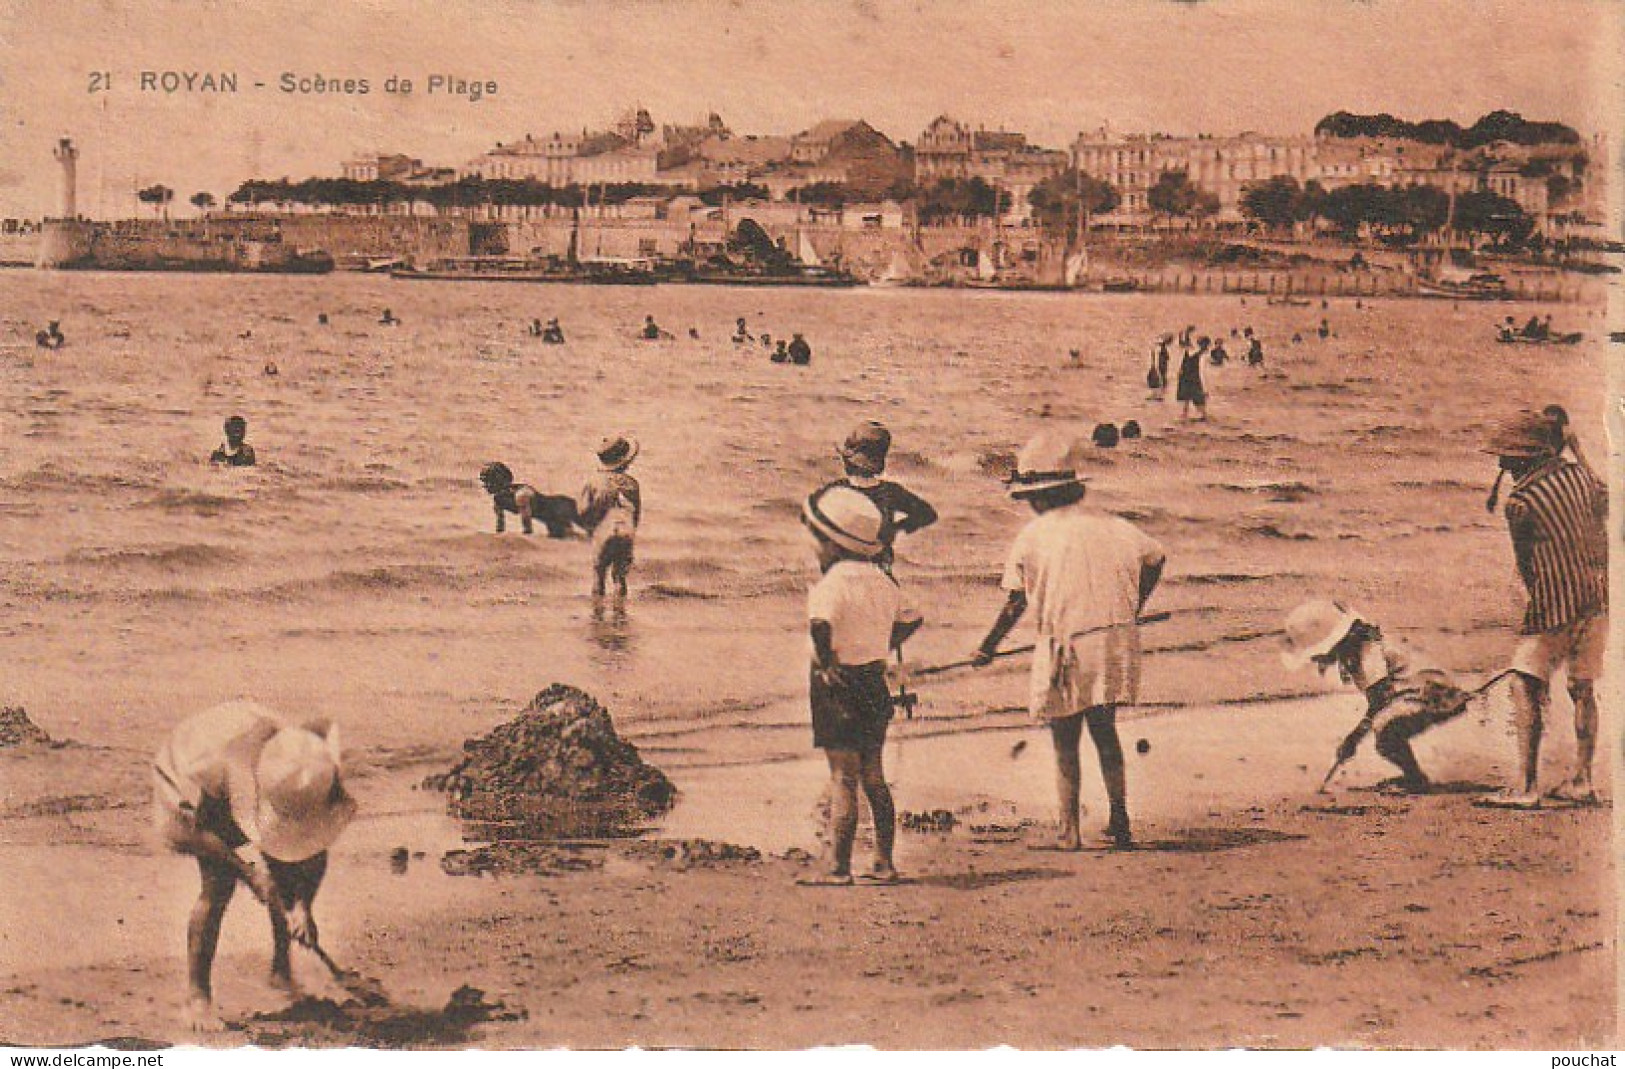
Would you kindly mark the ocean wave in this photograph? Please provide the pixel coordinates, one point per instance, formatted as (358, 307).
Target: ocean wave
(195, 501)
(1270, 530)
(168, 558)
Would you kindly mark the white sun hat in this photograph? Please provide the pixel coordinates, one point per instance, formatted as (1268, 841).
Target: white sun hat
(1314, 629)
(1045, 463)
(290, 801)
(847, 518)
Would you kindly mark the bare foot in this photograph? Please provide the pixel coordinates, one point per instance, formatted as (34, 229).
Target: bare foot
(1511, 800)
(1579, 792)
(199, 1017)
(826, 879)
(883, 873)
(1117, 834)
(1067, 842)
(285, 983)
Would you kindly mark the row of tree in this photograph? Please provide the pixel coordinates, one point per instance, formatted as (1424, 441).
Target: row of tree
(1403, 214)
(1496, 126)
(160, 196)
(1061, 204)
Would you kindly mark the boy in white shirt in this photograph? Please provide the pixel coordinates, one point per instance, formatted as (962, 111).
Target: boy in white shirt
(857, 617)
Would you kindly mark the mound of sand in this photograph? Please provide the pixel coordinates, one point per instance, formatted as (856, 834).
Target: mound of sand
(17, 730)
(560, 767)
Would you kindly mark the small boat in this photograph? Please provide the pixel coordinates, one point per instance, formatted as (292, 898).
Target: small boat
(1290, 302)
(1119, 285)
(824, 277)
(1476, 286)
(1568, 338)
(518, 269)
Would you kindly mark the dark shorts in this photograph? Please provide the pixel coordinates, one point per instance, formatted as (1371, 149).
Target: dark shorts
(854, 714)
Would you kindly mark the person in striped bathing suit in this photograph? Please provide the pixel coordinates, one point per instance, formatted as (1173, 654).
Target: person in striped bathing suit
(1557, 516)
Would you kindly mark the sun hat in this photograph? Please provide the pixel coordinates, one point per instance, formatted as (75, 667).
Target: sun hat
(288, 797)
(617, 453)
(866, 447)
(847, 518)
(1528, 434)
(1314, 629)
(1045, 463)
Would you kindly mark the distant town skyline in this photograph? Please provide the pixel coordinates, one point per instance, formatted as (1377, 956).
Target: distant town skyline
(1052, 70)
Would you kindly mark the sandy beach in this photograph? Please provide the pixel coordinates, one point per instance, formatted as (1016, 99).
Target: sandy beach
(355, 574)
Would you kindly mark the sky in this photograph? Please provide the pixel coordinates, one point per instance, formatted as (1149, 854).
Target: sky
(1046, 67)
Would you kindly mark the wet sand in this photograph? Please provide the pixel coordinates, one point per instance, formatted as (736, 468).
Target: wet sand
(355, 574)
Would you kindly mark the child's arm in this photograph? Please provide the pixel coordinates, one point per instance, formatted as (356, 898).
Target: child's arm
(1150, 576)
(915, 512)
(1346, 748)
(823, 639)
(904, 628)
(1014, 606)
(298, 882)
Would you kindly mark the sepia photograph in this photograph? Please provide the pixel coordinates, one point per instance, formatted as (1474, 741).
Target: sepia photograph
(767, 525)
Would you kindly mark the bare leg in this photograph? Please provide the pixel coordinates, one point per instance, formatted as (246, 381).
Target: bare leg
(1102, 721)
(281, 967)
(1528, 706)
(1067, 733)
(1394, 744)
(882, 809)
(1585, 734)
(202, 938)
(844, 773)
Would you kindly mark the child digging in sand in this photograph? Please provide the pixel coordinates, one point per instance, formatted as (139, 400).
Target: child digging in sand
(255, 800)
(1405, 695)
(857, 617)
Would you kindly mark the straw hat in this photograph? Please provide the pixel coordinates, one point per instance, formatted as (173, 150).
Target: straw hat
(1314, 629)
(617, 453)
(288, 797)
(865, 449)
(847, 518)
(1044, 464)
(1528, 434)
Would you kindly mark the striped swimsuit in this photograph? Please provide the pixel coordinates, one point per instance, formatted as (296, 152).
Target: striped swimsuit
(1558, 516)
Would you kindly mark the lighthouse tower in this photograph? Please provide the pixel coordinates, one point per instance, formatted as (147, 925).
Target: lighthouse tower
(67, 190)
(64, 240)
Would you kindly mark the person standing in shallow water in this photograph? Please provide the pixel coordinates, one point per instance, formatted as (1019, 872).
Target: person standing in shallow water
(611, 507)
(863, 455)
(1190, 390)
(235, 452)
(857, 616)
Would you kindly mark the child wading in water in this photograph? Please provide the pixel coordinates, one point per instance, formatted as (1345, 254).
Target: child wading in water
(863, 456)
(611, 507)
(857, 617)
